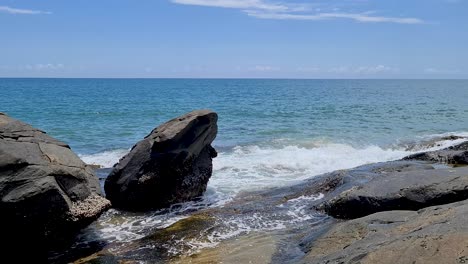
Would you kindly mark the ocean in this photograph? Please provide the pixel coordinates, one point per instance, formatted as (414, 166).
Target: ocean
(272, 133)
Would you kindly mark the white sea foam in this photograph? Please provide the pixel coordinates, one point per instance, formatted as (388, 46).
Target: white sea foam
(289, 214)
(439, 143)
(105, 159)
(115, 225)
(254, 167)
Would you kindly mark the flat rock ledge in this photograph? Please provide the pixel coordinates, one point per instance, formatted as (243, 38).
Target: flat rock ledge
(171, 165)
(435, 235)
(46, 192)
(410, 190)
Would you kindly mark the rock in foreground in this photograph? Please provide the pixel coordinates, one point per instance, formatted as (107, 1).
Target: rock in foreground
(436, 234)
(410, 190)
(46, 191)
(171, 165)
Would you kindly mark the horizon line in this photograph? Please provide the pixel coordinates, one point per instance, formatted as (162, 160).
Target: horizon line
(235, 78)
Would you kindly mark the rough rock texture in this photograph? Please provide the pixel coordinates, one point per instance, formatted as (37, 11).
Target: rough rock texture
(436, 235)
(46, 191)
(452, 155)
(411, 190)
(171, 165)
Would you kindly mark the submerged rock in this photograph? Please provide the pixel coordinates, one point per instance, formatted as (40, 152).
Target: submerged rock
(411, 190)
(436, 234)
(171, 165)
(457, 154)
(46, 191)
(433, 142)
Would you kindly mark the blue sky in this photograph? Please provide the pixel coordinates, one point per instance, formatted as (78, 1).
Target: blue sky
(234, 38)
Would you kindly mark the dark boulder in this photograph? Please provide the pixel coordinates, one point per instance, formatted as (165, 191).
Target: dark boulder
(457, 155)
(46, 191)
(171, 165)
(410, 190)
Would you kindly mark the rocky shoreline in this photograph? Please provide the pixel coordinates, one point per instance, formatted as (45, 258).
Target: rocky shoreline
(413, 210)
(48, 194)
(404, 211)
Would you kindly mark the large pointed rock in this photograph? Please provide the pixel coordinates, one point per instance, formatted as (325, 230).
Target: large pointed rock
(171, 165)
(46, 191)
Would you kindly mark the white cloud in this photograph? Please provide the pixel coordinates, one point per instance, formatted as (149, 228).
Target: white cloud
(238, 4)
(327, 16)
(17, 11)
(340, 69)
(376, 69)
(264, 68)
(308, 69)
(278, 10)
(441, 71)
(43, 67)
(365, 70)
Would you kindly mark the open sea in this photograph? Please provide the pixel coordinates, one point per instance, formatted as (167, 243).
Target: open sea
(272, 133)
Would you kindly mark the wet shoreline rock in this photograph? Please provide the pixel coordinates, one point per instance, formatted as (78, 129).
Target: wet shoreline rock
(47, 193)
(395, 236)
(456, 155)
(436, 234)
(433, 142)
(411, 190)
(386, 226)
(171, 165)
(424, 236)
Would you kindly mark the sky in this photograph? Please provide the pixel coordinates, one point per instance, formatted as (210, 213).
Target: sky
(234, 38)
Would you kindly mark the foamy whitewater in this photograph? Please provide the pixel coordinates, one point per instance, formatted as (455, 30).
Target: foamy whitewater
(251, 168)
(254, 167)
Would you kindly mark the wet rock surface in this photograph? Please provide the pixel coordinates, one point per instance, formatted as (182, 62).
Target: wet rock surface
(410, 190)
(171, 165)
(436, 234)
(388, 233)
(284, 226)
(457, 155)
(283, 215)
(434, 142)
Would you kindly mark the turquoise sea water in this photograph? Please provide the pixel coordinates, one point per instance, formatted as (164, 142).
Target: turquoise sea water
(271, 132)
(95, 115)
(267, 128)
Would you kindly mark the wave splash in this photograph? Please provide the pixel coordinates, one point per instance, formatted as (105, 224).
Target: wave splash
(105, 159)
(253, 167)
